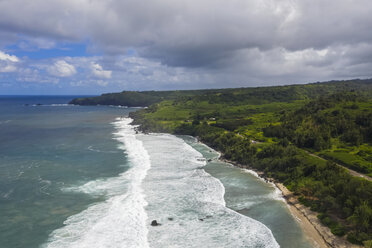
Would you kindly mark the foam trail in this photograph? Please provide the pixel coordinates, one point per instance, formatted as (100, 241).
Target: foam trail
(120, 221)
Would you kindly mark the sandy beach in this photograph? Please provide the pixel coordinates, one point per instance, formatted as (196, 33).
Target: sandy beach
(318, 234)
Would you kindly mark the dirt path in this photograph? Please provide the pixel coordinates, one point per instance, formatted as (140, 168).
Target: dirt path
(352, 172)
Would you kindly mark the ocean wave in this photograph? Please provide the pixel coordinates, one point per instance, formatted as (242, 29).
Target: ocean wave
(52, 105)
(118, 106)
(276, 194)
(120, 221)
(189, 203)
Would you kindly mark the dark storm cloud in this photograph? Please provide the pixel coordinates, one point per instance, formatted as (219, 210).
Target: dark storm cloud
(240, 41)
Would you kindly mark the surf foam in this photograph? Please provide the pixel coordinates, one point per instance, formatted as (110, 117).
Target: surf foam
(189, 203)
(120, 221)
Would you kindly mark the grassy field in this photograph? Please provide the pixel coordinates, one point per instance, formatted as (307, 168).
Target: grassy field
(356, 158)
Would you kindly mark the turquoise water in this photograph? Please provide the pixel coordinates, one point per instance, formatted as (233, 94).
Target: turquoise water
(75, 176)
(44, 149)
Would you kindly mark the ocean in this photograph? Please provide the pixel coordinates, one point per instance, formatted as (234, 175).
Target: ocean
(82, 176)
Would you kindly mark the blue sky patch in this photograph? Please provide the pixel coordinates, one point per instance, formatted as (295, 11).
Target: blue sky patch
(60, 50)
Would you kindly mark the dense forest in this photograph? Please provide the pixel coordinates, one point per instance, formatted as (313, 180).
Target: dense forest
(300, 135)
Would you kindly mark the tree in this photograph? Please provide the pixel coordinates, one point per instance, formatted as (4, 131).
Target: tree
(362, 217)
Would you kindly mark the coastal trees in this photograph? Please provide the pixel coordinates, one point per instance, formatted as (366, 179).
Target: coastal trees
(362, 217)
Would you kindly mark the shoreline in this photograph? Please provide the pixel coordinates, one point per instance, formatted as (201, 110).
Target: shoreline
(318, 234)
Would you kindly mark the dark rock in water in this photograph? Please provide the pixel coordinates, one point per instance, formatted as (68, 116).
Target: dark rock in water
(201, 219)
(209, 216)
(155, 223)
(39, 104)
(170, 218)
(209, 160)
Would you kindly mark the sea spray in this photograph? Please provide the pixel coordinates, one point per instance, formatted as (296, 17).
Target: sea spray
(120, 221)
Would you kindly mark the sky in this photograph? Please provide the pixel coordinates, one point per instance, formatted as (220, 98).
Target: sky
(96, 46)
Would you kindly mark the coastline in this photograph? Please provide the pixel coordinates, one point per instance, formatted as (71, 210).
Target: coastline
(318, 234)
(310, 224)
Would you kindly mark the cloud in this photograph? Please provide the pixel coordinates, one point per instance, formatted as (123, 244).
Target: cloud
(61, 69)
(8, 62)
(7, 57)
(194, 44)
(7, 68)
(34, 44)
(192, 33)
(102, 83)
(99, 72)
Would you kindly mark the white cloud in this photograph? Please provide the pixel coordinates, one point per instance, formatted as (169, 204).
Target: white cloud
(7, 57)
(61, 69)
(7, 68)
(98, 71)
(8, 62)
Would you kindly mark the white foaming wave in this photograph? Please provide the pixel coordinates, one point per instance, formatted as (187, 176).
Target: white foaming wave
(253, 200)
(250, 201)
(120, 221)
(215, 190)
(117, 106)
(190, 205)
(217, 153)
(53, 105)
(61, 105)
(276, 195)
(253, 173)
(102, 187)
